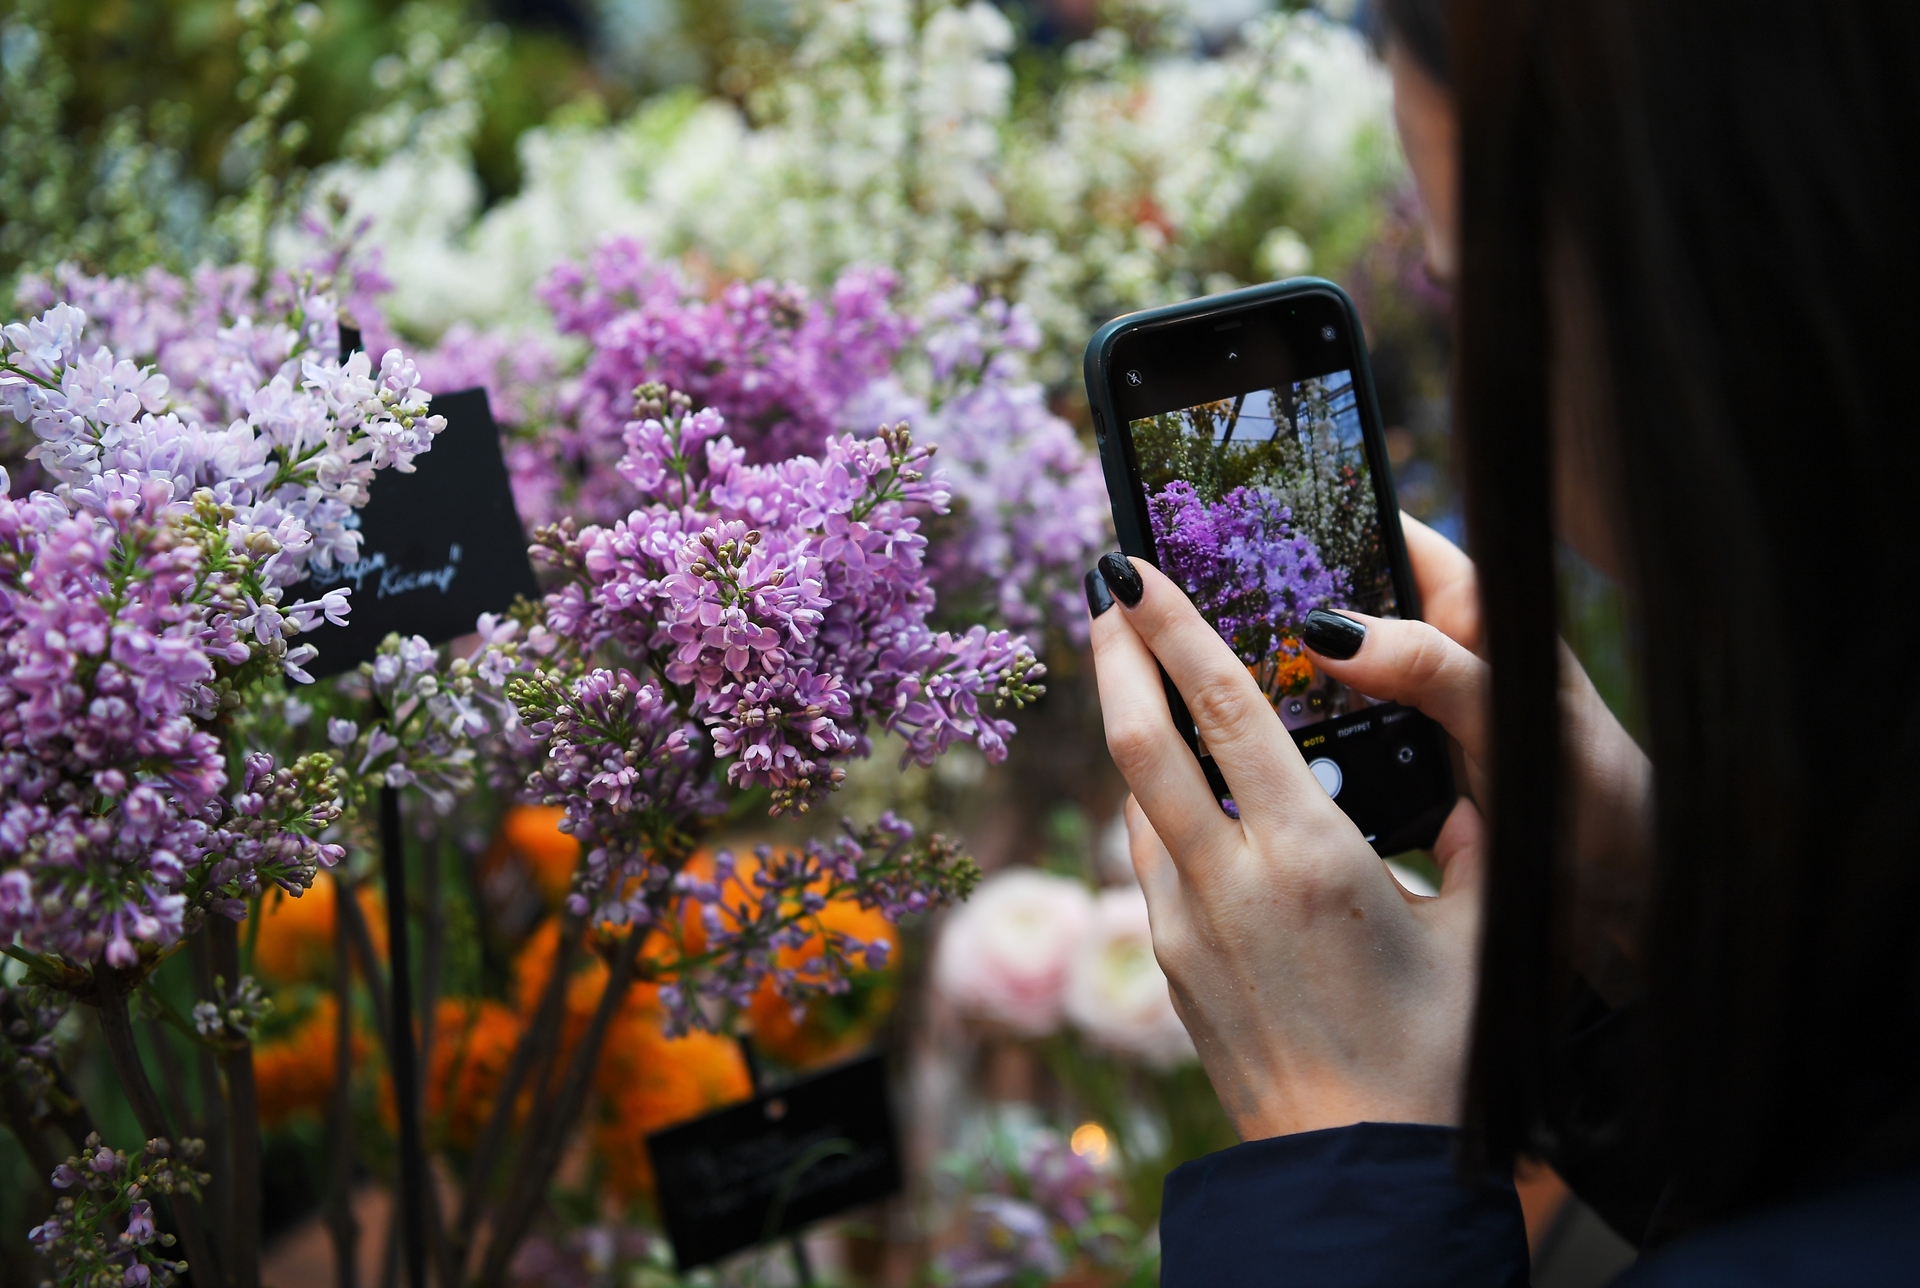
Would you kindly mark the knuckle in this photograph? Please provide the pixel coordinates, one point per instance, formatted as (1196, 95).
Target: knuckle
(1133, 746)
(1220, 707)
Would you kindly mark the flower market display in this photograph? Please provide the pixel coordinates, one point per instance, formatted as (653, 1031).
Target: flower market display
(896, 133)
(784, 363)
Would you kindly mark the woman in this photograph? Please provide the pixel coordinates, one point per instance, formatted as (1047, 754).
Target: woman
(1687, 262)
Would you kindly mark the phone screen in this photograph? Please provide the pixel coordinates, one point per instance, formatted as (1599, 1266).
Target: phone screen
(1262, 507)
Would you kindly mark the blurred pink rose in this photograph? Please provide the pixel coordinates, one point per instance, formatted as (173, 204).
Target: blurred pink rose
(1004, 954)
(1116, 994)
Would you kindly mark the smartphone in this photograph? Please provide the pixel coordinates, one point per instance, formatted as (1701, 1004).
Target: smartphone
(1245, 458)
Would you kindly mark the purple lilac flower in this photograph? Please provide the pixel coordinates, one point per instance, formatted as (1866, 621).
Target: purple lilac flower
(1031, 503)
(1247, 567)
(772, 359)
(789, 600)
(102, 1229)
(769, 614)
(152, 573)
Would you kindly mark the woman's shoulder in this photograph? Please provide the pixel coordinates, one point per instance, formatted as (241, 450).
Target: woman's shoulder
(1861, 1235)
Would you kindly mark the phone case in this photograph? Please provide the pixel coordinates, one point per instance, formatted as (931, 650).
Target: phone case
(1129, 501)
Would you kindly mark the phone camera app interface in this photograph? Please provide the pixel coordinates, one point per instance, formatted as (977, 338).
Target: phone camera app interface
(1262, 506)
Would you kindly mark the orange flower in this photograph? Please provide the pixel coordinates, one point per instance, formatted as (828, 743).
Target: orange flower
(473, 1043)
(1293, 674)
(295, 1073)
(296, 935)
(644, 1081)
(530, 840)
(831, 1027)
(647, 1082)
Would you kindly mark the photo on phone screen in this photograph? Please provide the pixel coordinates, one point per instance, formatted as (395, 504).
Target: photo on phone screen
(1262, 507)
(1242, 464)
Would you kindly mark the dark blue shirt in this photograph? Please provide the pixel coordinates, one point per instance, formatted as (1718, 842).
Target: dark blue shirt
(1383, 1204)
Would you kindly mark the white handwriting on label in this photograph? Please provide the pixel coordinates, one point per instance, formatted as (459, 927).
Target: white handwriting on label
(356, 572)
(398, 581)
(392, 581)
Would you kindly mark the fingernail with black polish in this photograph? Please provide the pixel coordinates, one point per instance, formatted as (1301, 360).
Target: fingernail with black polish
(1099, 598)
(1121, 578)
(1331, 635)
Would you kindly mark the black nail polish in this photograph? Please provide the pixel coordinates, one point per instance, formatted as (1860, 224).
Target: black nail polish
(1331, 635)
(1121, 578)
(1099, 598)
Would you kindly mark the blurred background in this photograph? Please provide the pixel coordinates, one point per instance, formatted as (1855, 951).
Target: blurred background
(1066, 160)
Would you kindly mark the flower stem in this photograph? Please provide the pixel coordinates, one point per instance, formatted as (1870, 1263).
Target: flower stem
(546, 1135)
(217, 1198)
(540, 1039)
(341, 1227)
(243, 1116)
(414, 1195)
(116, 1025)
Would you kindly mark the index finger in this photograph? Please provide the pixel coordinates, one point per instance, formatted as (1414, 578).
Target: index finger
(1166, 780)
(1269, 778)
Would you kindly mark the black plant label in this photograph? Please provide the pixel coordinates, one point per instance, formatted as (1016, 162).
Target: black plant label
(752, 1172)
(439, 546)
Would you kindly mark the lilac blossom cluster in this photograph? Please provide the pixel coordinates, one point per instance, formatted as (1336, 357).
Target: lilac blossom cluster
(1248, 568)
(103, 1228)
(113, 829)
(1031, 503)
(782, 608)
(302, 439)
(425, 716)
(787, 371)
(777, 363)
(141, 596)
(757, 620)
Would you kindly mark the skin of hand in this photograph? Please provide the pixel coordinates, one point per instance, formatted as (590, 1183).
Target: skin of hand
(1303, 1019)
(1318, 992)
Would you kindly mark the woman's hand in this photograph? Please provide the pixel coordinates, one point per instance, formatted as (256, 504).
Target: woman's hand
(1304, 1022)
(1318, 992)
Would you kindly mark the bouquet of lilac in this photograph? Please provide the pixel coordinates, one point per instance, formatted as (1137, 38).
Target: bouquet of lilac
(145, 594)
(767, 615)
(788, 371)
(736, 634)
(143, 616)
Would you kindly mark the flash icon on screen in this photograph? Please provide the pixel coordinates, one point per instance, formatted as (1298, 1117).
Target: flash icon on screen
(1133, 378)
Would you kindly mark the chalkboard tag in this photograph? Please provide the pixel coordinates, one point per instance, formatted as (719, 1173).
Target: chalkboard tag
(439, 546)
(751, 1172)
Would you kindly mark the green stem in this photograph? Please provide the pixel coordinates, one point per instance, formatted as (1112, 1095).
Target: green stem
(341, 1226)
(546, 1136)
(243, 1117)
(116, 1025)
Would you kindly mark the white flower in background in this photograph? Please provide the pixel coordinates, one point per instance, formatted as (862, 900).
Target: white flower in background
(1116, 994)
(1005, 954)
(893, 135)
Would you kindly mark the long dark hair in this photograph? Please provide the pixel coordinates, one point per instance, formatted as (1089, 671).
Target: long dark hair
(1738, 186)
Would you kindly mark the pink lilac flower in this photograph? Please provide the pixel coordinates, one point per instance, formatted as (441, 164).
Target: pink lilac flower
(777, 363)
(152, 572)
(1031, 503)
(765, 617)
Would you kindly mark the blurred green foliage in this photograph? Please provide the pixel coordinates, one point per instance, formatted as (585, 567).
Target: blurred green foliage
(166, 131)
